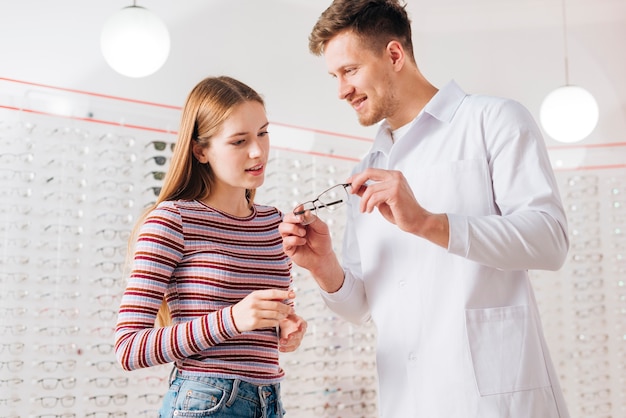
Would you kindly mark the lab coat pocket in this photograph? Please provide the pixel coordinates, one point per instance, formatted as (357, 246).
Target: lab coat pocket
(505, 349)
(462, 186)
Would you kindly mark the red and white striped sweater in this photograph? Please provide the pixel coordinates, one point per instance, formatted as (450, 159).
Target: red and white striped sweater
(205, 261)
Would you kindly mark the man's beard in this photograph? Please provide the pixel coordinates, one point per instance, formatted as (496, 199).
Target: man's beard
(380, 109)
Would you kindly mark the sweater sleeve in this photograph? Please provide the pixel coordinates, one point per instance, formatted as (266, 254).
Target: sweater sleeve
(138, 343)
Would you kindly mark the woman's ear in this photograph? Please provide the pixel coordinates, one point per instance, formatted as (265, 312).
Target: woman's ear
(199, 152)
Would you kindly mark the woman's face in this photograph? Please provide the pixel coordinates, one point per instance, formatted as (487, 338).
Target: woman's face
(238, 153)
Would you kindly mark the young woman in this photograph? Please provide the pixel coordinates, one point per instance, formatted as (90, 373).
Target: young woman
(209, 267)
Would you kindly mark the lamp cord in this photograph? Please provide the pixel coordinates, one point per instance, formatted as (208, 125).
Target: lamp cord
(565, 56)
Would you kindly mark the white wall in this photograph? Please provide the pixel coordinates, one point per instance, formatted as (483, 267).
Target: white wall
(512, 48)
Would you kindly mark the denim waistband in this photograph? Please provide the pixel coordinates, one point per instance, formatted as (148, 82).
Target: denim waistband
(243, 397)
(236, 387)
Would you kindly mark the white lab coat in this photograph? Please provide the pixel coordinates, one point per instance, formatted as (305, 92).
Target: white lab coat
(459, 335)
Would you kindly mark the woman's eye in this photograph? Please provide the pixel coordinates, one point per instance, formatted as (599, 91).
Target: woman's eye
(264, 133)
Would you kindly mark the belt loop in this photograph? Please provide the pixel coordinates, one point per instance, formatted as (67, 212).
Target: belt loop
(263, 400)
(279, 400)
(173, 374)
(233, 393)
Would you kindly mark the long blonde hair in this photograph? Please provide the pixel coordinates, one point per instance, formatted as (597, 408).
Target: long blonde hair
(208, 105)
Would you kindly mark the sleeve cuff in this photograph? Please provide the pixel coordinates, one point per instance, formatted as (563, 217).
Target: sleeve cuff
(229, 322)
(222, 326)
(459, 235)
(344, 291)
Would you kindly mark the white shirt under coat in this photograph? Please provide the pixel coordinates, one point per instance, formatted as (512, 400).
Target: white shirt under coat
(459, 334)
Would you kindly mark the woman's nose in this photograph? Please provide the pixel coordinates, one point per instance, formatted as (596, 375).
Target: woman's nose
(255, 149)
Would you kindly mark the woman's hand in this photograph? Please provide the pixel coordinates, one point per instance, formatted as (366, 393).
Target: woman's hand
(262, 309)
(292, 330)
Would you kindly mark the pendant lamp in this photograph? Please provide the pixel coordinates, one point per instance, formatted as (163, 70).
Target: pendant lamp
(135, 42)
(569, 113)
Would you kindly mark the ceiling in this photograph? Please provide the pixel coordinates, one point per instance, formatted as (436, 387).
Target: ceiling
(511, 48)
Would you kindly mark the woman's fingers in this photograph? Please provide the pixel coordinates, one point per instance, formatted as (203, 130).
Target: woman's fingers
(262, 309)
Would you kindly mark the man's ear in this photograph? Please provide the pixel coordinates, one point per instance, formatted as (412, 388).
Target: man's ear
(199, 152)
(396, 54)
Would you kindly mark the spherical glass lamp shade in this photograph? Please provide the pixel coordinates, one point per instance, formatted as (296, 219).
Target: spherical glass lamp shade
(569, 114)
(135, 42)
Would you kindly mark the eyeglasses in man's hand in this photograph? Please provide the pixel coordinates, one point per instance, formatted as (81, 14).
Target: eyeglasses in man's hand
(330, 199)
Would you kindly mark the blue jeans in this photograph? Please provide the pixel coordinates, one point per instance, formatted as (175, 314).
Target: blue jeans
(197, 396)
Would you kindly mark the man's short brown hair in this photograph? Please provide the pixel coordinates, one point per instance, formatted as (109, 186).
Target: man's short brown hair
(375, 22)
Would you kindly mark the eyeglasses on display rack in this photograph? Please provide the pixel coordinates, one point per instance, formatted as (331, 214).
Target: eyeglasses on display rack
(51, 383)
(157, 175)
(114, 139)
(158, 159)
(12, 365)
(52, 401)
(106, 400)
(330, 199)
(14, 381)
(105, 382)
(53, 365)
(161, 145)
(117, 155)
(155, 190)
(106, 414)
(12, 348)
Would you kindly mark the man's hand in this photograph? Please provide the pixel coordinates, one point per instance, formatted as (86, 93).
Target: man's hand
(310, 247)
(390, 193)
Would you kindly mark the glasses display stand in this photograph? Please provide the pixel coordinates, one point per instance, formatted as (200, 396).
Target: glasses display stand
(583, 305)
(76, 171)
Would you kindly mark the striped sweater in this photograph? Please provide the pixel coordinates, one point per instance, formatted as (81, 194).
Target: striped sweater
(205, 261)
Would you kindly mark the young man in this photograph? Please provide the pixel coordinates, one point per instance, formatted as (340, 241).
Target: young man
(453, 204)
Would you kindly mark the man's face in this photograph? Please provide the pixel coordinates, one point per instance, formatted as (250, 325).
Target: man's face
(365, 78)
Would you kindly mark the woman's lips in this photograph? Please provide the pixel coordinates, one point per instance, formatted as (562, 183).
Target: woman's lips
(256, 170)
